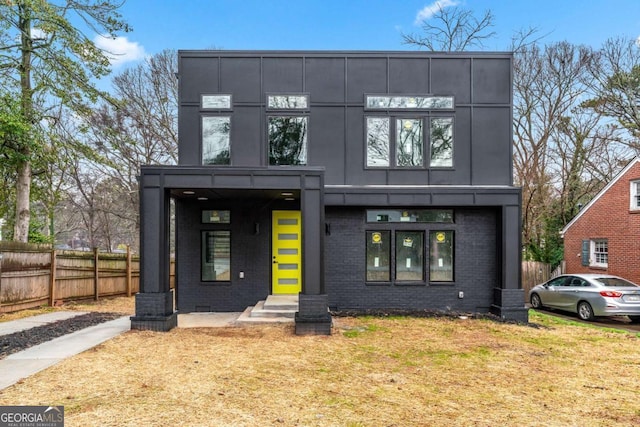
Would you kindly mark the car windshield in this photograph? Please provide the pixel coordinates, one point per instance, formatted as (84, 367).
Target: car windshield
(615, 282)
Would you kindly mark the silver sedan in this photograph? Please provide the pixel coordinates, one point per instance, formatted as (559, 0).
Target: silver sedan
(589, 295)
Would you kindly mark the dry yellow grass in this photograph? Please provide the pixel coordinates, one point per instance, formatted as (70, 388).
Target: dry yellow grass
(124, 305)
(370, 372)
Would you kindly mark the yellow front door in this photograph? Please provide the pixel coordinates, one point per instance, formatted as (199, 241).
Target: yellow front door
(286, 253)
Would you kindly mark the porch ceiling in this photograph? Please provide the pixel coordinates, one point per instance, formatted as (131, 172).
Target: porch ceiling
(204, 194)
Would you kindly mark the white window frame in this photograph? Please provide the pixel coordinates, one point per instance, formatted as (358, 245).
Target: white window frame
(599, 253)
(634, 195)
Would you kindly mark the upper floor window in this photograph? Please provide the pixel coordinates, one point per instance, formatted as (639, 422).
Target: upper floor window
(287, 140)
(215, 102)
(288, 102)
(441, 142)
(216, 140)
(409, 142)
(634, 202)
(378, 141)
(404, 102)
(400, 142)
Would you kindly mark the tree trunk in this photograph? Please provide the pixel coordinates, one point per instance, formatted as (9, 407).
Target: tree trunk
(23, 212)
(23, 180)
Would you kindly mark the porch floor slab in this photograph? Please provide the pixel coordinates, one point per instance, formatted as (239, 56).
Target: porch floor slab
(207, 320)
(274, 309)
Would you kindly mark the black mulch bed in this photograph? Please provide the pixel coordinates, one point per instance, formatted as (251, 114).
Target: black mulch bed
(18, 341)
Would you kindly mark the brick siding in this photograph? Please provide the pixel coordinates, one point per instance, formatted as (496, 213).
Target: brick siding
(609, 217)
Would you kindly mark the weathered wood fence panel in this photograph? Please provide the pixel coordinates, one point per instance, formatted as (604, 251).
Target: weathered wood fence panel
(74, 275)
(534, 273)
(24, 278)
(31, 277)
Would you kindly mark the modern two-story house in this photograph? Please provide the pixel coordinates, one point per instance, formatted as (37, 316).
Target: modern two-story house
(357, 180)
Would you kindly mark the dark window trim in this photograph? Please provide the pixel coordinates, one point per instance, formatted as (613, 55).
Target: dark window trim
(390, 247)
(426, 229)
(286, 113)
(393, 116)
(453, 258)
(453, 148)
(225, 227)
(213, 114)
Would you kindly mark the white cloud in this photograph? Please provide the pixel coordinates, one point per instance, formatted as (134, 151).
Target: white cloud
(430, 10)
(119, 50)
(38, 34)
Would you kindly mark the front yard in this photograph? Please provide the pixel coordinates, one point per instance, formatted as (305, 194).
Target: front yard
(371, 372)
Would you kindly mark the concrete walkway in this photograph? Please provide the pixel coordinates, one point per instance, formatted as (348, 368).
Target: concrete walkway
(21, 365)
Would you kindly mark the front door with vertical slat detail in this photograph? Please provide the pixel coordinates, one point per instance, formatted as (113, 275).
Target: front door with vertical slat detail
(286, 256)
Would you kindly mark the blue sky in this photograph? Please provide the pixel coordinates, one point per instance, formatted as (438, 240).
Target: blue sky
(352, 24)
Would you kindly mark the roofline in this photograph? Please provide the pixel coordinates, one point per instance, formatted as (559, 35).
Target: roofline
(600, 194)
(342, 53)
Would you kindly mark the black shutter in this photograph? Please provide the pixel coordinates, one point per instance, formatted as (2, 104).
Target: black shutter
(585, 251)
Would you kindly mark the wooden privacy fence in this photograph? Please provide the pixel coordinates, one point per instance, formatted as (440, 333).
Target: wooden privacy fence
(33, 276)
(534, 273)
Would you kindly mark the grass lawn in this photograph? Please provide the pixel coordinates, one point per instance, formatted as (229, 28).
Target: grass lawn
(370, 372)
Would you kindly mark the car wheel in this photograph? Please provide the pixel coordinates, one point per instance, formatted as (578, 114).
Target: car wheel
(536, 302)
(634, 319)
(585, 312)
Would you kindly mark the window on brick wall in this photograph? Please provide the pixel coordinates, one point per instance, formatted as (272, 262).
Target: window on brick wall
(634, 191)
(599, 253)
(216, 256)
(396, 248)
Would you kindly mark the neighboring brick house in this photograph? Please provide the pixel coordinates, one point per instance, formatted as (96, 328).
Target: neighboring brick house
(605, 235)
(356, 180)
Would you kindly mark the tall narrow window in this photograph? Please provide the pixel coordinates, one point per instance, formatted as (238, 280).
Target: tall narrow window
(377, 141)
(287, 140)
(441, 256)
(409, 142)
(409, 256)
(635, 196)
(378, 256)
(216, 140)
(216, 256)
(441, 137)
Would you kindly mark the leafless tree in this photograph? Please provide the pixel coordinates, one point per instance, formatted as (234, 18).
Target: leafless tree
(453, 29)
(141, 129)
(563, 153)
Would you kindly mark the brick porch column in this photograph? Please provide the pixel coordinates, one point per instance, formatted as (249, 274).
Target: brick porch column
(154, 303)
(508, 296)
(313, 316)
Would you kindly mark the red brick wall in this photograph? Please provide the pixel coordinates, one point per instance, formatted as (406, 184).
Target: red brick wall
(609, 218)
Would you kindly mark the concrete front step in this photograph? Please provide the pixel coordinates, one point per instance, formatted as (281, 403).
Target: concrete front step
(283, 303)
(275, 309)
(261, 309)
